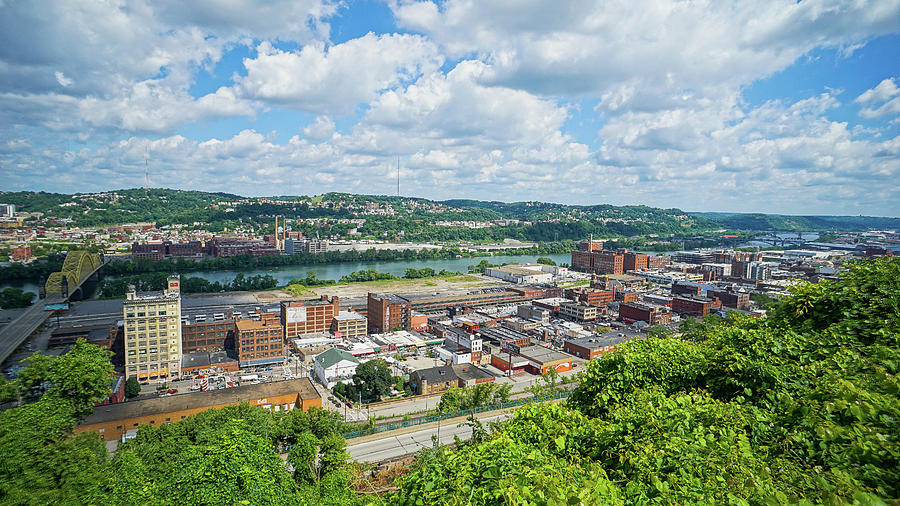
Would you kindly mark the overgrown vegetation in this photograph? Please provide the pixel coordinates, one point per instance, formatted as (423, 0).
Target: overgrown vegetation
(800, 407)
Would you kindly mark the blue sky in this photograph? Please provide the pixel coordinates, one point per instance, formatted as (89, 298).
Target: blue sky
(777, 106)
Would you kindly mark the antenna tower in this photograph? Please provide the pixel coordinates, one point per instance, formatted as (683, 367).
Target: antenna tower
(398, 176)
(147, 167)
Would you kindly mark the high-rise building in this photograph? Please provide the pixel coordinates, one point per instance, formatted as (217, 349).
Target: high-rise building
(153, 333)
(7, 210)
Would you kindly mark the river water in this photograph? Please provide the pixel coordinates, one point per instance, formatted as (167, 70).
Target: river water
(396, 267)
(337, 270)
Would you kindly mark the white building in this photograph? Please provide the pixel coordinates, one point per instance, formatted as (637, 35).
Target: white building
(519, 274)
(335, 365)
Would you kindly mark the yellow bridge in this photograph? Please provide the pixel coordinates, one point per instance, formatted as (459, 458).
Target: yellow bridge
(77, 267)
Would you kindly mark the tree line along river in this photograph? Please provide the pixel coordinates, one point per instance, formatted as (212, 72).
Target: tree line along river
(336, 270)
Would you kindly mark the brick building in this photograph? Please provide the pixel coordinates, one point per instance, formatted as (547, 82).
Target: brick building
(258, 342)
(213, 332)
(731, 298)
(695, 306)
(591, 296)
(658, 261)
(114, 420)
(686, 289)
(634, 261)
(594, 347)
(653, 314)
(308, 317)
(21, 253)
(386, 312)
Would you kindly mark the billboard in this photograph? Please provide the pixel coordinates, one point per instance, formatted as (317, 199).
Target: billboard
(295, 314)
(59, 306)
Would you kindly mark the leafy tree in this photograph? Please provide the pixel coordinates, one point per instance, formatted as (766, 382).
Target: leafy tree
(132, 387)
(372, 380)
(545, 261)
(12, 298)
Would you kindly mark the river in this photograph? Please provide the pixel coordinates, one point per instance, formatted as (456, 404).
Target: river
(396, 267)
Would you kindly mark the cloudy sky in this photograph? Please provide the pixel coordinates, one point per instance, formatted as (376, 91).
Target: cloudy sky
(717, 105)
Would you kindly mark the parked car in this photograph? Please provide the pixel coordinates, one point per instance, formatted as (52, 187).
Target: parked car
(172, 391)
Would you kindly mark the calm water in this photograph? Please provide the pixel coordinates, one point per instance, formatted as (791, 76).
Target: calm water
(398, 268)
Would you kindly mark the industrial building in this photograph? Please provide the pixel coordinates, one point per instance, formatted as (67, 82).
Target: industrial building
(112, 421)
(348, 324)
(309, 316)
(259, 342)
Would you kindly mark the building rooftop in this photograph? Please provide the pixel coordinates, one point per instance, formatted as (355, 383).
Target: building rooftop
(440, 373)
(349, 315)
(330, 357)
(603, 340)
(467, 372)
(501, 334)
(542, 354)
(245, 325)
(183, 402)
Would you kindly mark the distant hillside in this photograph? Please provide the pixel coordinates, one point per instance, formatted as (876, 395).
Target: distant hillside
(394, 217)
(756, 221)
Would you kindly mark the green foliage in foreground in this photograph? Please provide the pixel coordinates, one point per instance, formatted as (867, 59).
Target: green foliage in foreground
(798, 408)
(801, 407)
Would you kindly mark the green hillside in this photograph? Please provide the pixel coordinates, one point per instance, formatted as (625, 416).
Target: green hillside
(756, 221)
(801, 407)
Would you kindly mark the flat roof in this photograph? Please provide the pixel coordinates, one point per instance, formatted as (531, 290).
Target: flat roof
(541, 354)
(501, 334)
(349, 315)
(243, 325)
(611, 338)
(470, 372)
(184, 402)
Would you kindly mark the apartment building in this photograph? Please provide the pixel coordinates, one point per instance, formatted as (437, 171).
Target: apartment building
(153, 333)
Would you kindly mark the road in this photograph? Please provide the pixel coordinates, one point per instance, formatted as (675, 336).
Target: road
(13, 334)
(420, 404)
(394, 446)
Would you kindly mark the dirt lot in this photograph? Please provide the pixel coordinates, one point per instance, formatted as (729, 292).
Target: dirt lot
(461, 283)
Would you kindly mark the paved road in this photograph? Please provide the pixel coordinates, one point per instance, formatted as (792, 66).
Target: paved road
(405, 444)
(519, 382)
(13, 334)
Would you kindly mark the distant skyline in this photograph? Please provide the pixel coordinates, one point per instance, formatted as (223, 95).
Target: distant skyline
(777, 107)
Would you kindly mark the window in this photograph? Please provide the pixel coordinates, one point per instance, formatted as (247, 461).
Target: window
(118, 427)
(101, 431)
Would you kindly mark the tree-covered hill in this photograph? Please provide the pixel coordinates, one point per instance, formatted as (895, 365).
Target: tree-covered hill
(756, 221)
(800, 407)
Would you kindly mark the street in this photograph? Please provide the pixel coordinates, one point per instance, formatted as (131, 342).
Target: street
(398, 445)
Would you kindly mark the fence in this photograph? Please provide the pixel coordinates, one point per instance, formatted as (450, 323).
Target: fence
(444, 416)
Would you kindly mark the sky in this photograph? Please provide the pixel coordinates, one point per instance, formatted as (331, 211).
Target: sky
(704, 105)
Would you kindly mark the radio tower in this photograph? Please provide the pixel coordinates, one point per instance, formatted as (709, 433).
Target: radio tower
(398, 176)
(147, 168)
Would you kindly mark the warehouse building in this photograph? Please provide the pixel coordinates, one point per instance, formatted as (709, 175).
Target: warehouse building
(114, 420)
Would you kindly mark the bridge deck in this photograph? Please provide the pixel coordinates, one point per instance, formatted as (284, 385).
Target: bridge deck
(17, 331)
